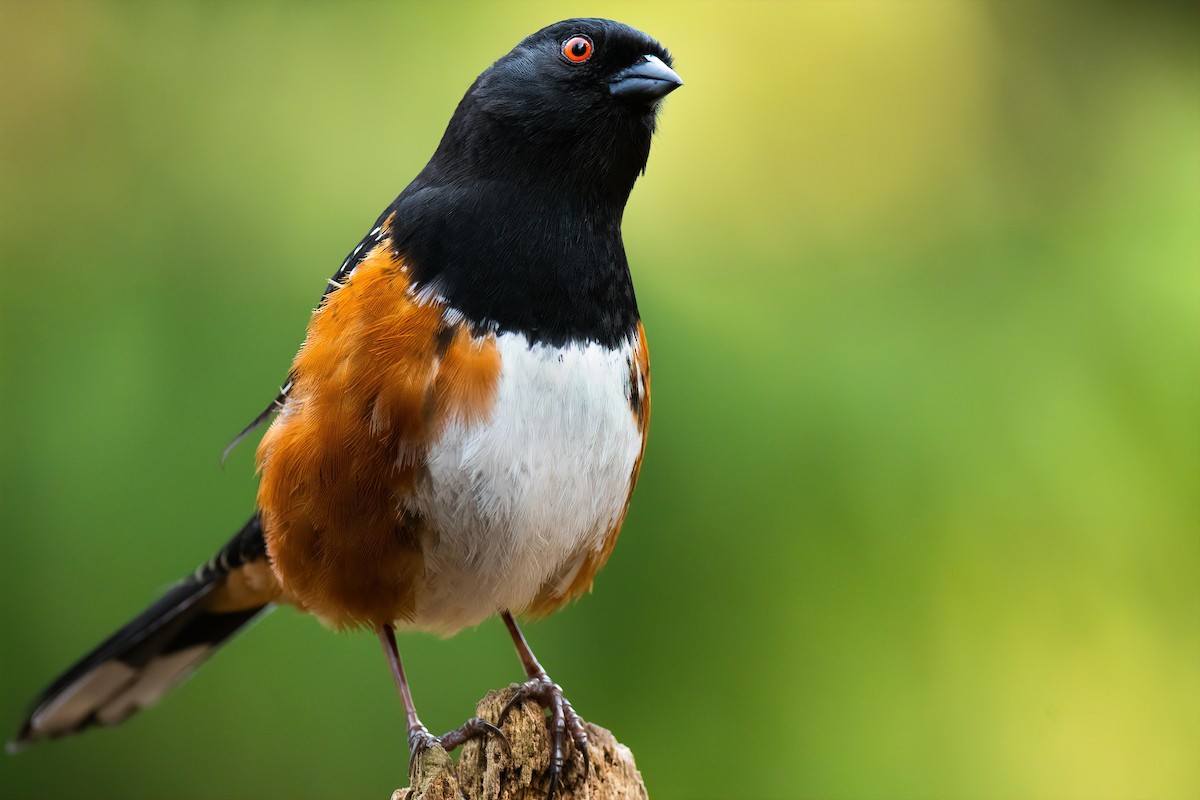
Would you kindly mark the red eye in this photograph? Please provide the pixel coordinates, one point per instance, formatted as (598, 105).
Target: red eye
(577, 49)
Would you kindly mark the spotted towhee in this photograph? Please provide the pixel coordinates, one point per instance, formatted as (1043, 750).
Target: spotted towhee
(462, 428)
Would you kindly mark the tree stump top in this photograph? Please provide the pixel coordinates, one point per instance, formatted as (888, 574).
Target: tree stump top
(486, 770)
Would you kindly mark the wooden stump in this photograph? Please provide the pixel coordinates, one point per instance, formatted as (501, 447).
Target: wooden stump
(487, 771)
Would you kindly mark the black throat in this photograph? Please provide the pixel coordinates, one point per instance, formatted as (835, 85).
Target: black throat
(519, 257)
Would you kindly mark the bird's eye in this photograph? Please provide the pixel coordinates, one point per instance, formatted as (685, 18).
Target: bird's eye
(577, 49)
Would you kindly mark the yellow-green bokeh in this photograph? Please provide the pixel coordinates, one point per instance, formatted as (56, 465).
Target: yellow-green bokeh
(920, 513)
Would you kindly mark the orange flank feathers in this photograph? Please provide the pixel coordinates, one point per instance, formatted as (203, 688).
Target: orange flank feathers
(378, 377)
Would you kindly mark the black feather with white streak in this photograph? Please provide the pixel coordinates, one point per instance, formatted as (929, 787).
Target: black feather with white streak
(139, 663)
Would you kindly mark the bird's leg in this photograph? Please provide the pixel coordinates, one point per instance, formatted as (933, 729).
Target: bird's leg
(549, 695)
(419, 737)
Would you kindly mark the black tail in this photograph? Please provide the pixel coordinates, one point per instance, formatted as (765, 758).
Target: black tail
(139, 663)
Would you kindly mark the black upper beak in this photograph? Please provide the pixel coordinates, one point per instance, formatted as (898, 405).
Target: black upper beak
(647, 81)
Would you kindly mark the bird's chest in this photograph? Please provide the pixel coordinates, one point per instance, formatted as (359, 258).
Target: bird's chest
(518, 500)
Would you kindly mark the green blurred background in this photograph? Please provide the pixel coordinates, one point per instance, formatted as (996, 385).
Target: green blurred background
(920, 512)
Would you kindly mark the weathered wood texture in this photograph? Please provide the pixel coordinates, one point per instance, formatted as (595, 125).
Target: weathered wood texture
(488, 771)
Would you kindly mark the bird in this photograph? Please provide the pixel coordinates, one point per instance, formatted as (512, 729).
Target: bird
(461, 431)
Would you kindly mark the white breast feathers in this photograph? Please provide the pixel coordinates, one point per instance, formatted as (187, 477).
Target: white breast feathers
(522, 498)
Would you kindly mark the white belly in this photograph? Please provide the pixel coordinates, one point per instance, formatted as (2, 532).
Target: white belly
(519, 500)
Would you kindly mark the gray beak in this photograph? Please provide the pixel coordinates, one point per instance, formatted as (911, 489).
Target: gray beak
(646, 82)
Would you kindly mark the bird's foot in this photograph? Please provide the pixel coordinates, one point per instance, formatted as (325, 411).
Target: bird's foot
(563, 719)
(420, 739)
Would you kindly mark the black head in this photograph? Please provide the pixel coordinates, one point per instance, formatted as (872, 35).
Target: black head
(516, 220)
(573, 103)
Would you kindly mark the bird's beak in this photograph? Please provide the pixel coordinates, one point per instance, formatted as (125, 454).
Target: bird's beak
(646, 82)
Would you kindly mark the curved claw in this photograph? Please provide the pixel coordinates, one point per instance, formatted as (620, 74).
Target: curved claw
(419, 738)
(517, 697)
(473, 728)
